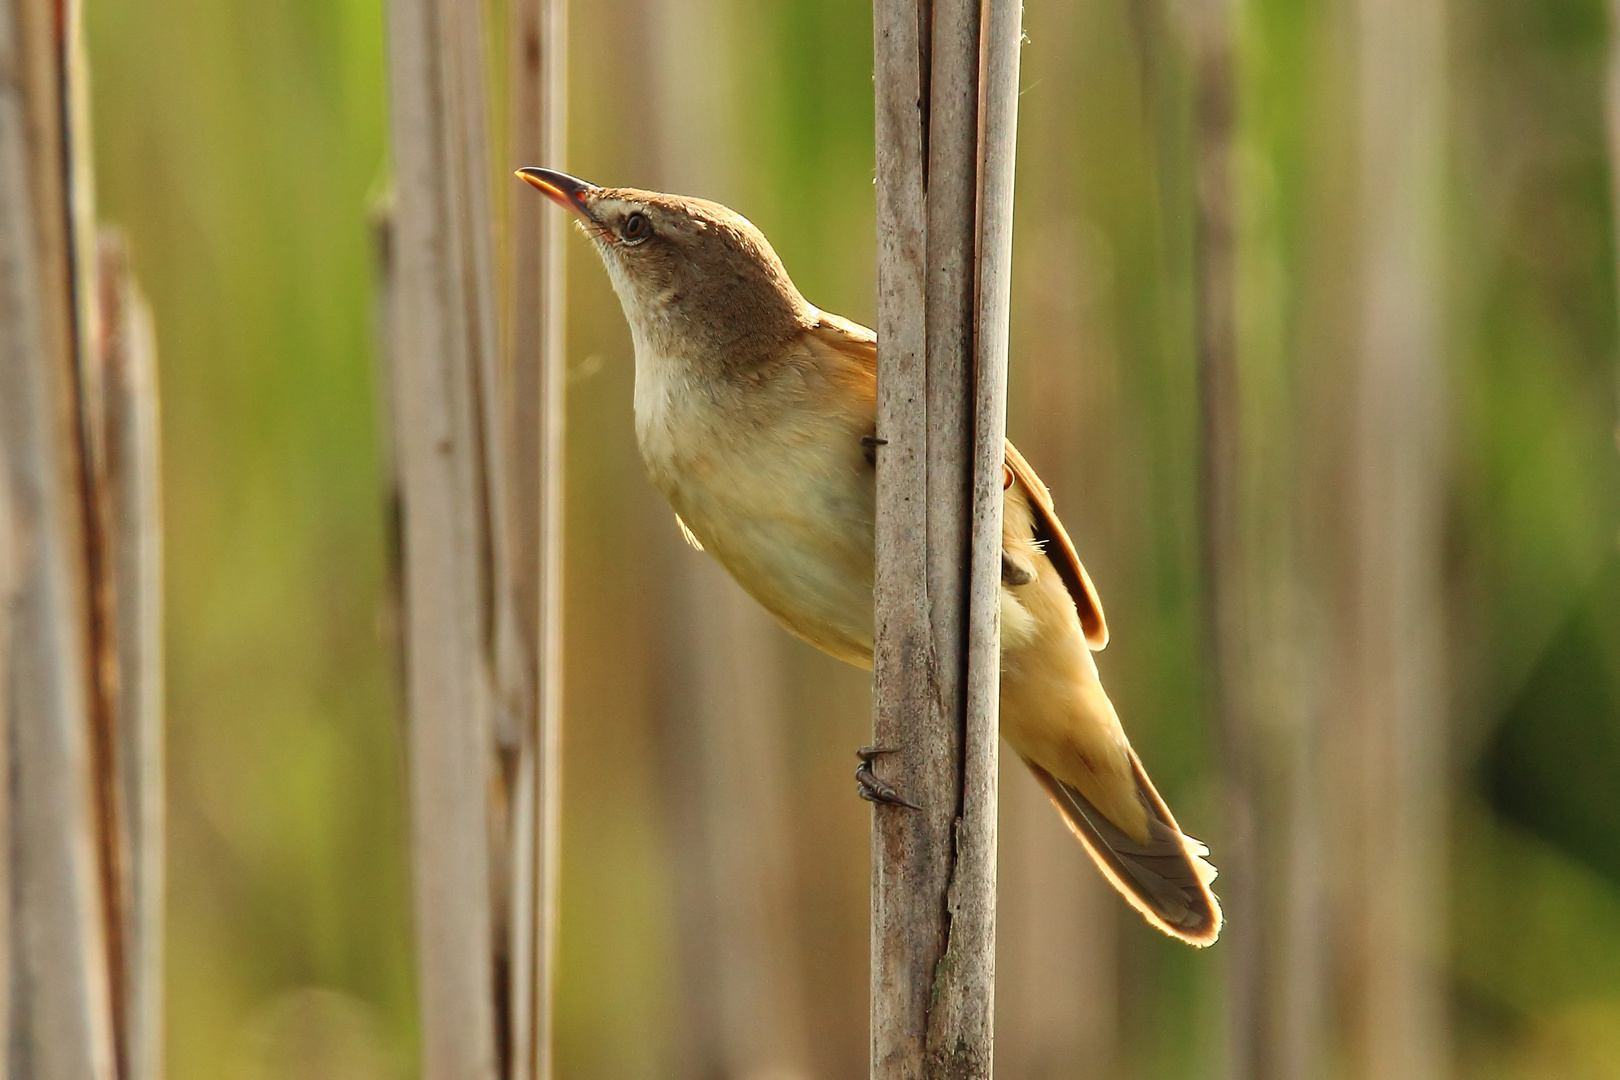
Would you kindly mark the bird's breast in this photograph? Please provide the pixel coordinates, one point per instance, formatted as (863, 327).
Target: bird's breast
(770, 476)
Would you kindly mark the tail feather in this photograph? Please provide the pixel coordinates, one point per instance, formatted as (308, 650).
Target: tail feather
(1166, 879)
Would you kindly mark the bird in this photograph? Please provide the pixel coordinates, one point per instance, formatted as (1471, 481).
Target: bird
(756, 417)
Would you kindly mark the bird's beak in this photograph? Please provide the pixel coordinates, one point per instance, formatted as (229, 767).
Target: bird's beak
(563, 190)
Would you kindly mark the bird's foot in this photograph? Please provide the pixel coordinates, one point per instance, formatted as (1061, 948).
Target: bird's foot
(872, 788)
(1014, 572)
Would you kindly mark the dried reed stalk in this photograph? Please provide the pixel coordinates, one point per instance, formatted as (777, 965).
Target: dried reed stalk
(441, 355)
(478, 445)
(946, 113)
(537, 375)
(80, 633)
(1384, 748)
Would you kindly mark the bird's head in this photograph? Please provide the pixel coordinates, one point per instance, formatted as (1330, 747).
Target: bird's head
(697, 280)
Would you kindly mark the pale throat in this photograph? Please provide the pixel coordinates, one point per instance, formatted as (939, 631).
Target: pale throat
(663, 385)
(692, 411)
(679, 418)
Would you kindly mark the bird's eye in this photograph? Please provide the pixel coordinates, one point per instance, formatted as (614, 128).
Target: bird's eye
(636, 228)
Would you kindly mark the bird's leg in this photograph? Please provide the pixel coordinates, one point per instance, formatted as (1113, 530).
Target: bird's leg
(1014, 572)
(870, 787)
(869, 445)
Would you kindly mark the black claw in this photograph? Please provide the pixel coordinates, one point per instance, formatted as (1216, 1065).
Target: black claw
(869, 444)
(870, 787)
(1013, 573)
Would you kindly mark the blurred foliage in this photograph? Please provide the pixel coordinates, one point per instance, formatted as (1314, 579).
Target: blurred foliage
(1549, 768)
(1536, 571)
(241, 146)
(237, 144)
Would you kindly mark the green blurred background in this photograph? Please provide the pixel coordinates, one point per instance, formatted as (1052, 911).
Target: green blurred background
(242, 146)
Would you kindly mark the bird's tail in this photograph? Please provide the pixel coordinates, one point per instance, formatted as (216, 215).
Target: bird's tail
(1166, 879)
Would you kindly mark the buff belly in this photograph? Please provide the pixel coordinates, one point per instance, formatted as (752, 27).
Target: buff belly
(788, 512)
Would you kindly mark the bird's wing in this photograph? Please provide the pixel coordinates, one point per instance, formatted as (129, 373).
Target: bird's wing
(859, 344)
(849, 337)
(848, 356)
(1059, 549)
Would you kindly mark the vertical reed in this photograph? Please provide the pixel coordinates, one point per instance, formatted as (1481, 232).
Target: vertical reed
(946, 110)
(80, 627)
(478, 450)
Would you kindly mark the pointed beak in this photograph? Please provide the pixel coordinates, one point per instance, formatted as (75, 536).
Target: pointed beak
(562, 189)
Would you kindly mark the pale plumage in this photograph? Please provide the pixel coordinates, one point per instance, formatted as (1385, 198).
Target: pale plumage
(751, 408)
